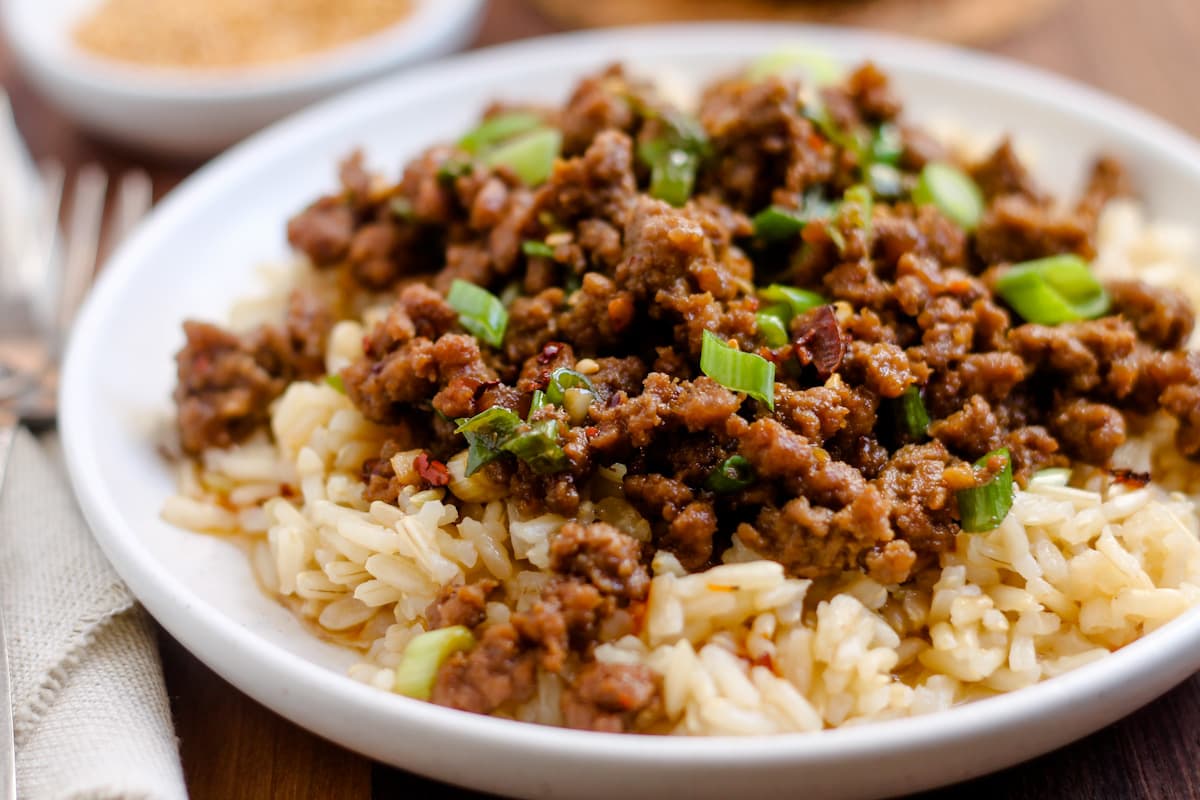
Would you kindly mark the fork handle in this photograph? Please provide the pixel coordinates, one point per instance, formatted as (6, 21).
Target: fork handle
(8, 745)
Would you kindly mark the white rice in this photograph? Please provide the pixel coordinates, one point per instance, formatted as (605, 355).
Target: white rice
(1069, 576)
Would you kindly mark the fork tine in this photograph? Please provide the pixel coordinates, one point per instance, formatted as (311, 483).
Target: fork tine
(82, 241)
(37, 263)
(134, 196)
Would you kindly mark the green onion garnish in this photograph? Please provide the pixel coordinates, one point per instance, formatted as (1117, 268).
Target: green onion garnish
(674, 156)
(776, 223)
(817, 66)
(911, 416)
(672, 176)
(336, 382)
(1053, 290)
(796, 301)
(771, 327)
(741, 372)
(562, 379)
(538, 447)
(425, 655)
(485, 433)
(1052, 476)
(953, 192)
(885, 180)
(537, 402)
(402, 208)
(887, 145)
(983, 508)
(860, 204)
(532, 247)
(531, 155)
(479, 311)
(497, 129)
(497, 430)
(452, 168)
(733, 474)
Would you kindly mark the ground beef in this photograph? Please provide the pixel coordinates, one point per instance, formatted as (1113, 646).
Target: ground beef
(225, 383)
(499, 670)
(609, 559)
(464, 604)
(323, 231)
(1015, 228)
(1002, 173)
(1163, 317)
(607, 697)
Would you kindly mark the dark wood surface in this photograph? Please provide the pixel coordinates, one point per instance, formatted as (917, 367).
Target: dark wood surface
(1147, 52)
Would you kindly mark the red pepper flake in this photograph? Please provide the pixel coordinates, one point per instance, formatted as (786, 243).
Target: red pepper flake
(764, 660)
(591, 430)
(549, 352)
(1129, 477)
(433, 472)
(819, 341)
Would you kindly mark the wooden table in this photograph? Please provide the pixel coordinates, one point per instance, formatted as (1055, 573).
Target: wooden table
(233, 748)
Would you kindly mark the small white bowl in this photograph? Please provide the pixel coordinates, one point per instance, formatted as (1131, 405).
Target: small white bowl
(181, 113)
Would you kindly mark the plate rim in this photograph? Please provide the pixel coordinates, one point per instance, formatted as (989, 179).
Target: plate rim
(984, 717)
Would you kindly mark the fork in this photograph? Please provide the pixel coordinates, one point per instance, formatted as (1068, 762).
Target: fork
(30, 348)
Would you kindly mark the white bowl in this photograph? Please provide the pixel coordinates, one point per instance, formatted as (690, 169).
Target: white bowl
(197, 252)
(176, 112)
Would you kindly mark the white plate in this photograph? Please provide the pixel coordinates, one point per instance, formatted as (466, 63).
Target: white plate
(197, 252)
(196, 114)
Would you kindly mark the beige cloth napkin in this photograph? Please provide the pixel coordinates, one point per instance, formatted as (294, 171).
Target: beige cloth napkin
(89, 705)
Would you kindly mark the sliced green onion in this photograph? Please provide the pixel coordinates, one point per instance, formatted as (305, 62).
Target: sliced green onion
(771, 328)
(537, 402)
(532, 247)
(479, 311)
(952, 191)
(859, 203)
(1052, 476)
(911, 416)
(425, 655)
(485, 433)
(672, 176)
(741, 372)
(494, 130)
(452, 168)
(538, 447)
(1053, 290)
(797, 301)
(983, 508)
(402, 208)
(817, 66)
(885, 180)
(531, 155)
(562, 379)
(734, 474)
(776, 223)
(336, 382)
(887, 145)
(674, 156)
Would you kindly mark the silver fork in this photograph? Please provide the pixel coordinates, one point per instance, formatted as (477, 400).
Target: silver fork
(29, 354)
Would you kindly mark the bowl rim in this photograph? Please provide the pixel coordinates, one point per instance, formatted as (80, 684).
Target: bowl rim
(1175, 645)
(411, 38)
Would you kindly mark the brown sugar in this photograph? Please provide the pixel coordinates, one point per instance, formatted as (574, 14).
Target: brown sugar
(215, 34)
